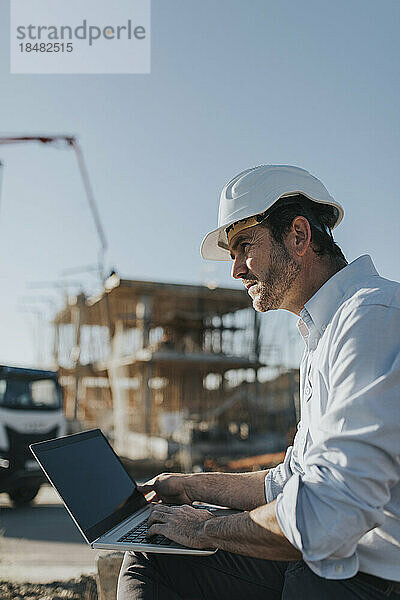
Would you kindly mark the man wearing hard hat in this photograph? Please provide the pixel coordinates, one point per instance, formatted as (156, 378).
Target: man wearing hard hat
(324, 524)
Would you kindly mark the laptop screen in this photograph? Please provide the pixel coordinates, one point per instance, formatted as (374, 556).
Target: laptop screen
(91, 481)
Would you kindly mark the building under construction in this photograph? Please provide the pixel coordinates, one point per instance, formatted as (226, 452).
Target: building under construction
(165, 370)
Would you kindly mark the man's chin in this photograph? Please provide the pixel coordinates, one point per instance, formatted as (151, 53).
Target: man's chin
(263, 304)
(259, 306)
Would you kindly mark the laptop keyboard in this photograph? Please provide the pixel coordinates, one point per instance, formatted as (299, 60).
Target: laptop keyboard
(138, 535)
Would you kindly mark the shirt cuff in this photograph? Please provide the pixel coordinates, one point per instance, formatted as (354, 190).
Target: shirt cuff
(277, 477)
(268, 491)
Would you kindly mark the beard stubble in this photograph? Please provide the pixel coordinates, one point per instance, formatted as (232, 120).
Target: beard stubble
(281, 274)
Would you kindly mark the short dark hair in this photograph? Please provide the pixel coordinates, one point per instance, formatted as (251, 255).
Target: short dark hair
(321, 217)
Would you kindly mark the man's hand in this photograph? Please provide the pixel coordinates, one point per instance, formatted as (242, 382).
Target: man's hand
(243, 491)
(183, 524)
(167, 487)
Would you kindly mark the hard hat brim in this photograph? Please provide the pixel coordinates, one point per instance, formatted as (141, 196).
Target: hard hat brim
(211, 250)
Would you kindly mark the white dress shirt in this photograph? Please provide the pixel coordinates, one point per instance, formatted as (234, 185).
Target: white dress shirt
(338, 489)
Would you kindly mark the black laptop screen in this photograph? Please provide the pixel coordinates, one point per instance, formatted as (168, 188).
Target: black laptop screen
(91, 480)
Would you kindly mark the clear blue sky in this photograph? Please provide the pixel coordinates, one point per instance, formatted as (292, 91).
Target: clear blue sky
(233, 84)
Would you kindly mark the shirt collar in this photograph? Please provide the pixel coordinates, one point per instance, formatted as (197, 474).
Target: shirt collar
(307, 329)
(323, 304)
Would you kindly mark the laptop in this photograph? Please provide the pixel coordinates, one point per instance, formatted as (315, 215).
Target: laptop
(101, 497)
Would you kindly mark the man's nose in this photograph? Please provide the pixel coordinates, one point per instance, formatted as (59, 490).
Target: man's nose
(239, 269)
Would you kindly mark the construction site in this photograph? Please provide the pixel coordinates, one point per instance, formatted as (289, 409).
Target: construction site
(200, 342)
(170, 373)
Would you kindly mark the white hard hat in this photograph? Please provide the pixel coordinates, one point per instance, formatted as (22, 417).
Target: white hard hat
(254, 191)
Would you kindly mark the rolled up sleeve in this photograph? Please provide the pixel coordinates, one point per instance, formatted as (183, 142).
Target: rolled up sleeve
(276, 478)
(354, 459)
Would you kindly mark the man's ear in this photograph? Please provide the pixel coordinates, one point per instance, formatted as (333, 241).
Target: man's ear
(300, 235)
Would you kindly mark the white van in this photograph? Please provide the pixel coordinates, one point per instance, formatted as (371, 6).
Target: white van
(31, 410)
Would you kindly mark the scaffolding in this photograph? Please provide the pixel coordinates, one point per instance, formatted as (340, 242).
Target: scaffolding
(148, 362)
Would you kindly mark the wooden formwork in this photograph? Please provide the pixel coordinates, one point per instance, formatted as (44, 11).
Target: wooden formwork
(145, 358)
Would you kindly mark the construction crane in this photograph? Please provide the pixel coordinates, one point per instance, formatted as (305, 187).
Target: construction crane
(71, 142)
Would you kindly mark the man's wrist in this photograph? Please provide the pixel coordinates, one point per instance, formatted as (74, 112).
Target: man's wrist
(221, 532)
(207, 533)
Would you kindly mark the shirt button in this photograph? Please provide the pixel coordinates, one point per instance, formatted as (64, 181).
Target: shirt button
(308, 390)
(339, 568)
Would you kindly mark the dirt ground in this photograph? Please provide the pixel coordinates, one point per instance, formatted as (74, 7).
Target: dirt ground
(83, 588)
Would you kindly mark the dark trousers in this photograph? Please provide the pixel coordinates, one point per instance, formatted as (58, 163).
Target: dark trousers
(232, 577)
